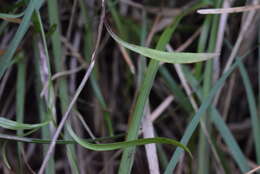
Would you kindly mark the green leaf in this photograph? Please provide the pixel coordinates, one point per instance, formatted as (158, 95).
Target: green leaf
(13, 16)
(145, 89)
(168, 57)
(229, 139)
(4, 156)
(13, 125)
(7, 137)
(252, 108)
(196, 118)
(221, 126)
(125, 144)
(5, 60)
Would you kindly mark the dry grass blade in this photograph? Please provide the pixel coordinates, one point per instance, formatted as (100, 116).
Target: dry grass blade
(158, 111)
(68, 72)
(127, 59)
(196, 108)
(13, 20)
(81, 86)
(229, 10)
(151, 152)
(253, 170)
(239, 40)
(220, 38)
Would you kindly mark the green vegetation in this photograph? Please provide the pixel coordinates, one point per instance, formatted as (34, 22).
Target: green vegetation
(86, 85)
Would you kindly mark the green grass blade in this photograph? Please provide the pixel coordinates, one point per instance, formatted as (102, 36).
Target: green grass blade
(20, 102)
(94, 77)
(101, 100)
(50, 100)
(181, 98)
(45, 111)
(53, 12)
(143, 93)
(88, 47)
(162, 55)
(125, 144)
(14, 125)
(202, 43)
(219, 123)
(196, 119)
(203, 147)
(5, 60)
(145, 88)
(229, 140)
(252, 108)
(120, 27)
(4, 156)
(5, 15)
(6, 137)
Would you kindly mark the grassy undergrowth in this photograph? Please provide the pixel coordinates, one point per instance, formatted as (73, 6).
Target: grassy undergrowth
(119, 86)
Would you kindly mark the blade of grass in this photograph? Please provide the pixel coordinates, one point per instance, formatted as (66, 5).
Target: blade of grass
(204, 155)
(14, 125)
(88, 47)
(98, 94)
(176, 90)
(258, 39)
(122, 30)
(177, 57)
(44, 69)
(252, 108)
(229, 139)
(5, 15)
(202, 43)
(145, 88)
(5, 60)
(229, 10)
(78, 91)
(125, 144)
(221, 126)
(20, 103)
(196, 118)
(43, 112)
(147, 123)
(7, 137)
(4, 156)
(53, 12)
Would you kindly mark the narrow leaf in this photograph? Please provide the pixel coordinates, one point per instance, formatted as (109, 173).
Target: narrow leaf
(125, 144)
(252, 108)
(13, 125)
(196, 119)
(168, 57)
(5, 60)
(12, 16)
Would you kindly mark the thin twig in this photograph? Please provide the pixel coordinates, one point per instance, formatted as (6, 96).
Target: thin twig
(81, 86)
